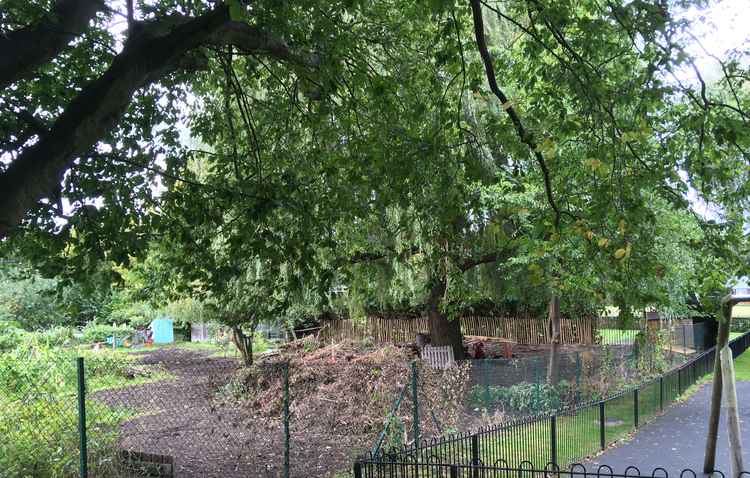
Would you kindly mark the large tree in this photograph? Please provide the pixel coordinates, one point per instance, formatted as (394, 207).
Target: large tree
(310, 118)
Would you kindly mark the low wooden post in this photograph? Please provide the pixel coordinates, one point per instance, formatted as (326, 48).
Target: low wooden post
(730, 405)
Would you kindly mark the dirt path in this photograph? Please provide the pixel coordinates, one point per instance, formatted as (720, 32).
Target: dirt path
(186, 418)
(676, 440)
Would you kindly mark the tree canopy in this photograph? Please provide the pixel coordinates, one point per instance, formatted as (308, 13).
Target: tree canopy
(415, 154)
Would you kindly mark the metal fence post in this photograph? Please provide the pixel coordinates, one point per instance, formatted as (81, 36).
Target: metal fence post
(635, 407)
(553, 438)
(84, 464)
(357, 470)
(679, 382)
(661, 393)
(486, 375)
(602, 441)
(578, 377)
(475, 455)
(415, 400)
(454, 471)
(286, 420)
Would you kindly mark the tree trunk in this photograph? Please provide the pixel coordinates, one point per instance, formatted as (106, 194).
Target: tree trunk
(553, 372)
(244, 344)
(442, 330)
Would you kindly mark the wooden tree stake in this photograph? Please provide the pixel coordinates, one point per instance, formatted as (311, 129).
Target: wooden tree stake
(730, 405)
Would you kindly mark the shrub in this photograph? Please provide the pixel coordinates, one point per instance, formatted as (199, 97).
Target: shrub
(57, 336)
(95, 332)
(38, 409)
(11, 336)
(523, 398)
(46, 442)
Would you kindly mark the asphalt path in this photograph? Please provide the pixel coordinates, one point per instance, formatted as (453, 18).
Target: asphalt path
(676, 440)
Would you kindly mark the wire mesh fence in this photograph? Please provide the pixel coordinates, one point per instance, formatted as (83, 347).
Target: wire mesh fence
(544, 377)
(563, 436)
(166, 413)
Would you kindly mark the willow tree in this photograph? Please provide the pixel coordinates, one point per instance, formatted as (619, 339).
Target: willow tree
(312, 115)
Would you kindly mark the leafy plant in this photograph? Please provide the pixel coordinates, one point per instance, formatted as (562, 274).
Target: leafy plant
(96, 332)
(524, 398)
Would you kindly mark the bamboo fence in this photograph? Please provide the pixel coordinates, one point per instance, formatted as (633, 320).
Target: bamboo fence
(519, 329)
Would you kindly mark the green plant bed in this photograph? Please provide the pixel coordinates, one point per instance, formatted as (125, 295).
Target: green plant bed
(40, 436)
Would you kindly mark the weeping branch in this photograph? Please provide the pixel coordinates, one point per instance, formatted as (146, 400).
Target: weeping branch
(526, 136)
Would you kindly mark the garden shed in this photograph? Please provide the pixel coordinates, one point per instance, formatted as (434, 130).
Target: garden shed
(162, 331)
(200, 332)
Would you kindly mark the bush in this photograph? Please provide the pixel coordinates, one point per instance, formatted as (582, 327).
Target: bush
(11, 336)
(57, 336)
(523, 398)
(40, 436)
(94, 332)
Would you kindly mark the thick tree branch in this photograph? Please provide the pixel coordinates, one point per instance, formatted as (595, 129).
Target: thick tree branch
(526, 136)
(485, 259)
(21, 51)
(376, 256)
(38, 171)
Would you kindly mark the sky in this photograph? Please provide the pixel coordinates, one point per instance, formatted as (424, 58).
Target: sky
(719, 28)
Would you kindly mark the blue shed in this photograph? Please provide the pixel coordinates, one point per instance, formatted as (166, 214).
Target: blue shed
(163, 331)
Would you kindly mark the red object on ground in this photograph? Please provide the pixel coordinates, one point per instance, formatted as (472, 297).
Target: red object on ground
(507, 350)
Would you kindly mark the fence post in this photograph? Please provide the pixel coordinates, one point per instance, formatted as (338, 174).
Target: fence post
(602, 441)
(578, 377)
(357, 470)
(635, 407)
(415, 401)
(486, 375)
(475, 455)
(661, 393)
(84, 464)
(286, 419)
(454, 471)
(679, 382)
(553, 438)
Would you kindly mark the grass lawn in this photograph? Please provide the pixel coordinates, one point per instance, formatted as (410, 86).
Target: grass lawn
(742, 367)
(617, 336)
(578, 435)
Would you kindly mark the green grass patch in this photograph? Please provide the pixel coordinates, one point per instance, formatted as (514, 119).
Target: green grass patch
(617, 336)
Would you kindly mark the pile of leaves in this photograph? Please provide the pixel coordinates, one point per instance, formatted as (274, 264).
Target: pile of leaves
(350, 387)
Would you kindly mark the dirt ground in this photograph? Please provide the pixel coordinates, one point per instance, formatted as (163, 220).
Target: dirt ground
(210, 437)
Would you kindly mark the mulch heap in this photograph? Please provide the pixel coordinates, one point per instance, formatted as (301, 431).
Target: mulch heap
(348, 388)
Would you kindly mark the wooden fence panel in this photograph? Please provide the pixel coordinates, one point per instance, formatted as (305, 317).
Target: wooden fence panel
(520, 329)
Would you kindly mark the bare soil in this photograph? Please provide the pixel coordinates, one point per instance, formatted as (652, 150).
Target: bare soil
(210, 433)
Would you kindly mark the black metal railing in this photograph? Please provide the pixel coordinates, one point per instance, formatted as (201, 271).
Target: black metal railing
(526, 469)
(563, 437)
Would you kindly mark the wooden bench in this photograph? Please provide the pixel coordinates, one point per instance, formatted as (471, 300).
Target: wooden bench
(438, 357)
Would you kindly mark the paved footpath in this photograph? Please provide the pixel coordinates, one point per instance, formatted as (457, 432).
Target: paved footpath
(677, 439)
